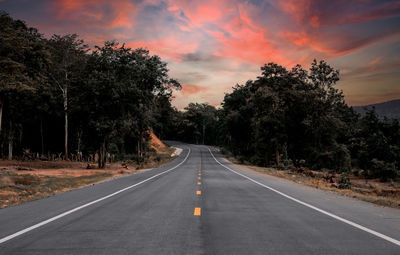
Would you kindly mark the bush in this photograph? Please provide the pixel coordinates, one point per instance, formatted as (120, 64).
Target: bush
(337, 158)
(342, 158)
(383, 170)
(344, 182)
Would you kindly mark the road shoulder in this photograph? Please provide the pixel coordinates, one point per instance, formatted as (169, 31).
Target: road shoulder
(382, 219)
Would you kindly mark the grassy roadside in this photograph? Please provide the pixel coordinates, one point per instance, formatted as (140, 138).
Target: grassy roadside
(30, 180)
(370, 190)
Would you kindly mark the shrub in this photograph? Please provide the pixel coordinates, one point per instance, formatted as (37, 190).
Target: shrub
(383, 170)
(344, 182)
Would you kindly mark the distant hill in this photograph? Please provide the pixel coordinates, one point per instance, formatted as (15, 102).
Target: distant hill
(389, 109)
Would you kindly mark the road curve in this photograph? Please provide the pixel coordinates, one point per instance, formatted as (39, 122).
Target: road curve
(197, 205)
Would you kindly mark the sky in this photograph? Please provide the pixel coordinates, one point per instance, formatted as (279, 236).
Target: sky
(212, 45)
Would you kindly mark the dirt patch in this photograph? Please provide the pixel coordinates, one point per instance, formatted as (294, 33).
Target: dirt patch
(38, 164)
(370, 190)
(26, 181)
(156, 143)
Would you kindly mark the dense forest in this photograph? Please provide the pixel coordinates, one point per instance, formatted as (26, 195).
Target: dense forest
(57, 96)
(60, 99)
(293, 118)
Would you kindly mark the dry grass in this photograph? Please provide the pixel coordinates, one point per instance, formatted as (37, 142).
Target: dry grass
(17, 188)
(26, 181)
(370, 190)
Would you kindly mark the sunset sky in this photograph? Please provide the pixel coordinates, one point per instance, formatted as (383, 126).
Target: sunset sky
(210, 45)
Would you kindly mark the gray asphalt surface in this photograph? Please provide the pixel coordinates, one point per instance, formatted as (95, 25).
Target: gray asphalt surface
(237, 216)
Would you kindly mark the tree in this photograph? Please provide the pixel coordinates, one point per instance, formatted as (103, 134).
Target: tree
(292, 114)
(120, 88)
(22, 57)
(236, 119)
(68, 58)
(199, 122)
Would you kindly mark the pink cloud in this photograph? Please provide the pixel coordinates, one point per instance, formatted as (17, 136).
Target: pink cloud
(376, 61)
(202, 12)
(170, 47)
(96, 13)
(188, 89)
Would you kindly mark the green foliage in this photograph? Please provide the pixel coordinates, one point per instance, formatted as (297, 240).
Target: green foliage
(198, 124)
(111, 96)
(298, 116)
(291, 114)
(375, 146)
(344, 182)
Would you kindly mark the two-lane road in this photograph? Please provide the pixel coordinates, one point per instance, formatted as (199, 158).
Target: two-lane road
(198, 204)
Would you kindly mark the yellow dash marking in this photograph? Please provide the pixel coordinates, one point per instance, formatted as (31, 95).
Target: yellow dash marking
(198, 183)
(197, 211)
(198, 192)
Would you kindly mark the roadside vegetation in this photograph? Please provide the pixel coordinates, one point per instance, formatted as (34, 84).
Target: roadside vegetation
(291, 119)
(71, 115)
(61, 100)
(22, 181)
(348, 184)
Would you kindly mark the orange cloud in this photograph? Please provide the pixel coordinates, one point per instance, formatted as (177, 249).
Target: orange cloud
(170, 47)
(97, 13)
(376, 61)
(192, 89)
(246, 41)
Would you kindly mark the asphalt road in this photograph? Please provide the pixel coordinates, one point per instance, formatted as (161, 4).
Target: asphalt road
(199, 204)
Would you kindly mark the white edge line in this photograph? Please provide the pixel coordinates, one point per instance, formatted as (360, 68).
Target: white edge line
(9, 237)
(387, 238)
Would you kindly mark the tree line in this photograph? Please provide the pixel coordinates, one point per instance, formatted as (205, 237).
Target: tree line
(294, 118)
(59, 96)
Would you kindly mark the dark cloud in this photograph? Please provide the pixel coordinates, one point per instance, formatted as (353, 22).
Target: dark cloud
(199, 57)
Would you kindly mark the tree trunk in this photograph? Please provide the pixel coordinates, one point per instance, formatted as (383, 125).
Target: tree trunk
(65, 96)
(10, 149)
(138, 150)
(99, 159)
(204, 130)
(102, 155)
(139, 147)
(41, 135)
(277, 156)
(10, 142)
(1, 110)
(79, 144)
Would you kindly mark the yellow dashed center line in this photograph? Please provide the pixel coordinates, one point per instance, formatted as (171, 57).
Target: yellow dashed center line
(197, 211)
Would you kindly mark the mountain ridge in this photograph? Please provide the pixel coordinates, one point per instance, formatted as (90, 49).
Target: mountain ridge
(389, 109)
